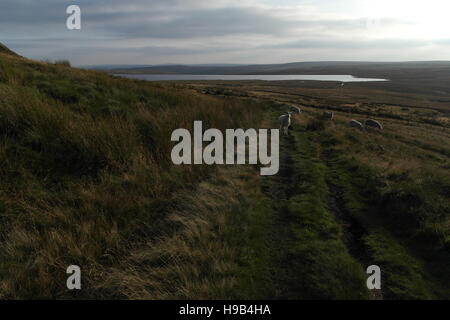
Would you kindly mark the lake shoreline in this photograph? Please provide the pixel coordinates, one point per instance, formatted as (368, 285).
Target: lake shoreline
(218, 77)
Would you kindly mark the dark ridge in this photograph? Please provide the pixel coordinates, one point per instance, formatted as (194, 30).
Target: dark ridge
(4, 49)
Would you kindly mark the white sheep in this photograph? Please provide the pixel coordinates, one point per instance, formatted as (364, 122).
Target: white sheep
(328, 115)
(285, 121)
(356, 124)
(295, 109)
(373, 123)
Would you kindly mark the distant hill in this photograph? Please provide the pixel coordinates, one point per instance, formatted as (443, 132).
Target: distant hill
(405, 71)
(425, 77)
(87, 179)
(118, 67)
(113, 66)
(327, 67)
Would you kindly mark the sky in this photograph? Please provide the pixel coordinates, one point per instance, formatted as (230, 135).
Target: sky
(228, 31)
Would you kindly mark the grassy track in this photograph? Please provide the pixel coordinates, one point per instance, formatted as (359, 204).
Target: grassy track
(310, 260)
(86, 179)
(328, 227)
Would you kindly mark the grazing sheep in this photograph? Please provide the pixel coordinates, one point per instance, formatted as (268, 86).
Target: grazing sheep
(295, 109)
(373, 123)
(284, 122)
(328, 115)
(356, 124)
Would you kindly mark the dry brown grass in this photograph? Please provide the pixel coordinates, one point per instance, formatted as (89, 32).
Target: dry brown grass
(195, 261)
(87, 177)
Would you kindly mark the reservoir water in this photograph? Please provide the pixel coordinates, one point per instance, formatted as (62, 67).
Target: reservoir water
(265, 77)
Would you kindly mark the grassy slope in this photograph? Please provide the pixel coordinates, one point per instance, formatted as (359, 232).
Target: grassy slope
(388, 190)
(86, 179)
(403, 210)
(311, 260)
(385, 239)
(429, 81)
(339, 217)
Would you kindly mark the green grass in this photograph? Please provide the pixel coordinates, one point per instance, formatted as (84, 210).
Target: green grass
(394, 217)
(86, 179)
(218, 251)
(403, 276)
(86, 176)
(392, 185)
(314, 261)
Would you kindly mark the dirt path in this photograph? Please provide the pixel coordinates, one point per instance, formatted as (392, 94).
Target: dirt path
(285, 278)
(282, 274)
(352, 230)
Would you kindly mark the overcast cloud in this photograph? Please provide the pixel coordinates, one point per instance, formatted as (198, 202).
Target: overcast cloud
(219, 31)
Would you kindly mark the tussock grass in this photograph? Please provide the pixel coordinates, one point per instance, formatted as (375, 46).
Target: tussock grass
(209, 253)
(87, 179)
(404, 213)
(312, 261)
(328, 270)
(403, 275)
(392, 183)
